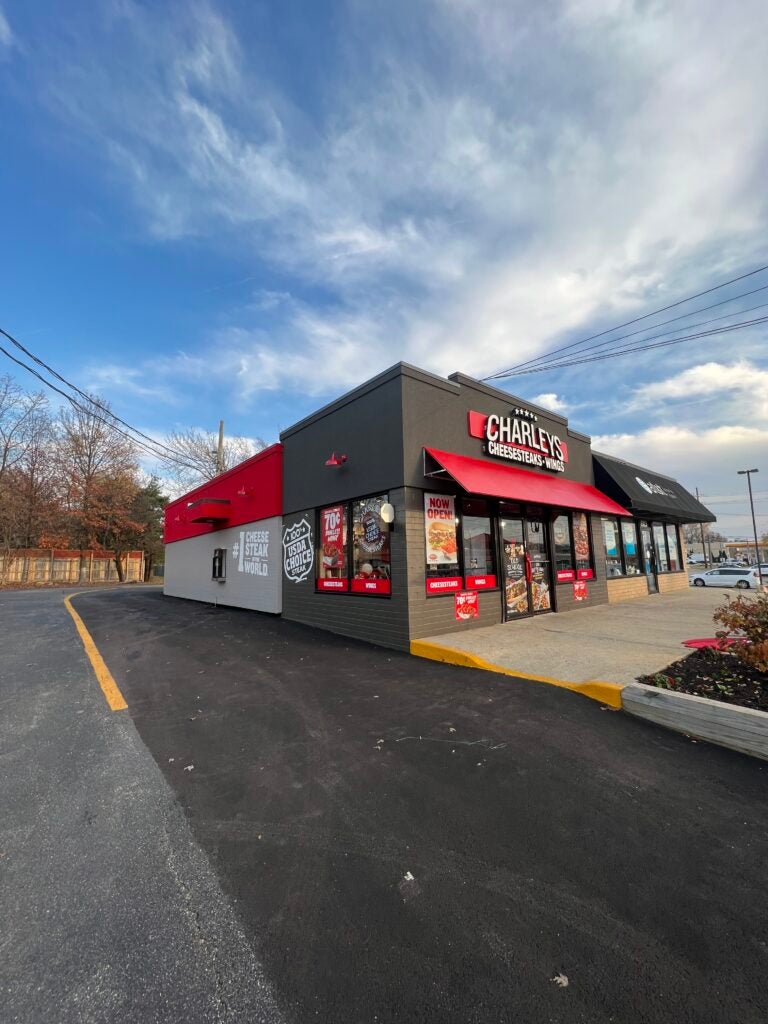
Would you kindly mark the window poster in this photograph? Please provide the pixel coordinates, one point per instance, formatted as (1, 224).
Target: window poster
(611, 541)
(333, 574)
(440, 530)
(465, 605)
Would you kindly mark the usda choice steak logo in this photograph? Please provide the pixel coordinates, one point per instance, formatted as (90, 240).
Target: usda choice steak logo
(298, 551)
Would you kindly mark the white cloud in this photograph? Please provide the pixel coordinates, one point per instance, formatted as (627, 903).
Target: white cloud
(549, 400)
(576, 163)
(742, 380)
(6, 36)
(119, 381)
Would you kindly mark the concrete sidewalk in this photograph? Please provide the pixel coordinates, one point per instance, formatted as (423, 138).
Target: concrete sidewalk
(615, 643)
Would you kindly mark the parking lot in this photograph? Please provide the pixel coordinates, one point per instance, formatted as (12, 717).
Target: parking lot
(391, 839)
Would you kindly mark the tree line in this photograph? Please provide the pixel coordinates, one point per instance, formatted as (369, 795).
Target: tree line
(69, 478)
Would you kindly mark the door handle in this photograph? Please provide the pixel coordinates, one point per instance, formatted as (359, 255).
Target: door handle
(528, 569)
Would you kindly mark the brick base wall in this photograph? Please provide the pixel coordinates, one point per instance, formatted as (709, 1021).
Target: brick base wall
(671, 581)
(627, 588)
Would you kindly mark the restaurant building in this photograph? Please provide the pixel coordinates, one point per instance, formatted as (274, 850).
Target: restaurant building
(417, 505)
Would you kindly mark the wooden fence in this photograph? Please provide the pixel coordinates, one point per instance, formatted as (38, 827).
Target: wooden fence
(38, 565)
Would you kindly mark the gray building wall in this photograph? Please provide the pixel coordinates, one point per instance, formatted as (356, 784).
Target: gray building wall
(366, 426)
(382, 428)
(379, 619)
(188, 565)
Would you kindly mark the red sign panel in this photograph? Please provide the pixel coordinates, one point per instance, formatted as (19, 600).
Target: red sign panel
(332, 584)
(465, 605)
(584, 574)
(370, 586)
(580, 592)
(485, 582)
(563, 575)
(443, 584)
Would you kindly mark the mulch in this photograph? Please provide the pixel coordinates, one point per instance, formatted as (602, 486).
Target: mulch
(718, 675)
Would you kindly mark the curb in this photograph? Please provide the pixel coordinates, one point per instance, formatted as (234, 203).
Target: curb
(596, 689)
(727, 725)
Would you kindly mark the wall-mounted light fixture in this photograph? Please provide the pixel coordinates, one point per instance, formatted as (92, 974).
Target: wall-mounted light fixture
(336, 460)
(387, 512)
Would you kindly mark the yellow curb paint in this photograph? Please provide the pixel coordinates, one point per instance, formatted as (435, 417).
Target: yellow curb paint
(606, 693)
(108, 685)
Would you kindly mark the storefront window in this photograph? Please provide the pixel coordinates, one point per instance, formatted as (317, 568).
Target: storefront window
(661, 547)
(370, 547)
(629, 542)
(332, 571)
(561, 532)
(613, 565)
(441, 544)
(581, 545)
(477, 539)
(674, 557)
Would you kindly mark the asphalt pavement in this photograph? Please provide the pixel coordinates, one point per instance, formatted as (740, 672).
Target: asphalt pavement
(383, 838)
(111, 911)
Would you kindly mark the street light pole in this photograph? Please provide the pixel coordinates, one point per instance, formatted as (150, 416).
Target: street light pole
(748, 474)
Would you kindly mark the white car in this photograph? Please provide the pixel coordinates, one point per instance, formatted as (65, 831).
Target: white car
(727, 576)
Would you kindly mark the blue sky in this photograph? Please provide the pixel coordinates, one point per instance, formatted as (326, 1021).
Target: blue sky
(241, 209)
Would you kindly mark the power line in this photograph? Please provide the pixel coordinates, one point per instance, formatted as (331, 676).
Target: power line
(628, 323)
(640, 348)
(89, 412)
(547, 360)
(554, 364)
(89, 398)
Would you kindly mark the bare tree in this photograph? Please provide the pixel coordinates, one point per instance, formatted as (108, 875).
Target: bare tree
(24, 425)
(198, 449)
(18, 412)
(94, 461)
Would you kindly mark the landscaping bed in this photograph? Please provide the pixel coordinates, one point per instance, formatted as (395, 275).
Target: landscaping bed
(719, 675)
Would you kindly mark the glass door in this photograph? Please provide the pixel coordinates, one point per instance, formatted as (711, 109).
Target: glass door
(516, 598)
(538, 555)
(526, 560)
(649, 559)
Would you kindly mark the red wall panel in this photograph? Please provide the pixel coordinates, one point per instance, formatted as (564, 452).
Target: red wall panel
(254, 490)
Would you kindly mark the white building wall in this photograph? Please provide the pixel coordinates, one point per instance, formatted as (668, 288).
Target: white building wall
(253, 567)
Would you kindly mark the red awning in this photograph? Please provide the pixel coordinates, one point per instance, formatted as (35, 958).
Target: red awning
(209, 510)
(499, 481)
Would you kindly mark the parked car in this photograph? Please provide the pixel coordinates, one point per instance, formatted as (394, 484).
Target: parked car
(726, 576)
(696, 559)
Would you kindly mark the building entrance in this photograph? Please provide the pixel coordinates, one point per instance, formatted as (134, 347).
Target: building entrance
(527, 576)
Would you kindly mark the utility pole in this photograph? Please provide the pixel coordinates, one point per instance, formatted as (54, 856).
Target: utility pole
(707, 565)
(220, 449)
(748, 474)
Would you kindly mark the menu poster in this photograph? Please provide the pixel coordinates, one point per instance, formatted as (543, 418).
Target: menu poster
(440, 529)
(465, 605)
(332, 540)
(580, 592)
(581, 539)
(611, 542)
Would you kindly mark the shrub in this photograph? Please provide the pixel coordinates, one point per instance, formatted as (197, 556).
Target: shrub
(748, 616)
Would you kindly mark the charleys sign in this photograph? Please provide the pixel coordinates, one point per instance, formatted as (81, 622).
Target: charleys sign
(517, 438)
(298, 551)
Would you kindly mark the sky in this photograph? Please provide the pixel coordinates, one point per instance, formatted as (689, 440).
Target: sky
(241, 209)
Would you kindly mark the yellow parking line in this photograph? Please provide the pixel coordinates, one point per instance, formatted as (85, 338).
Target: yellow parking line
(108, 685)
